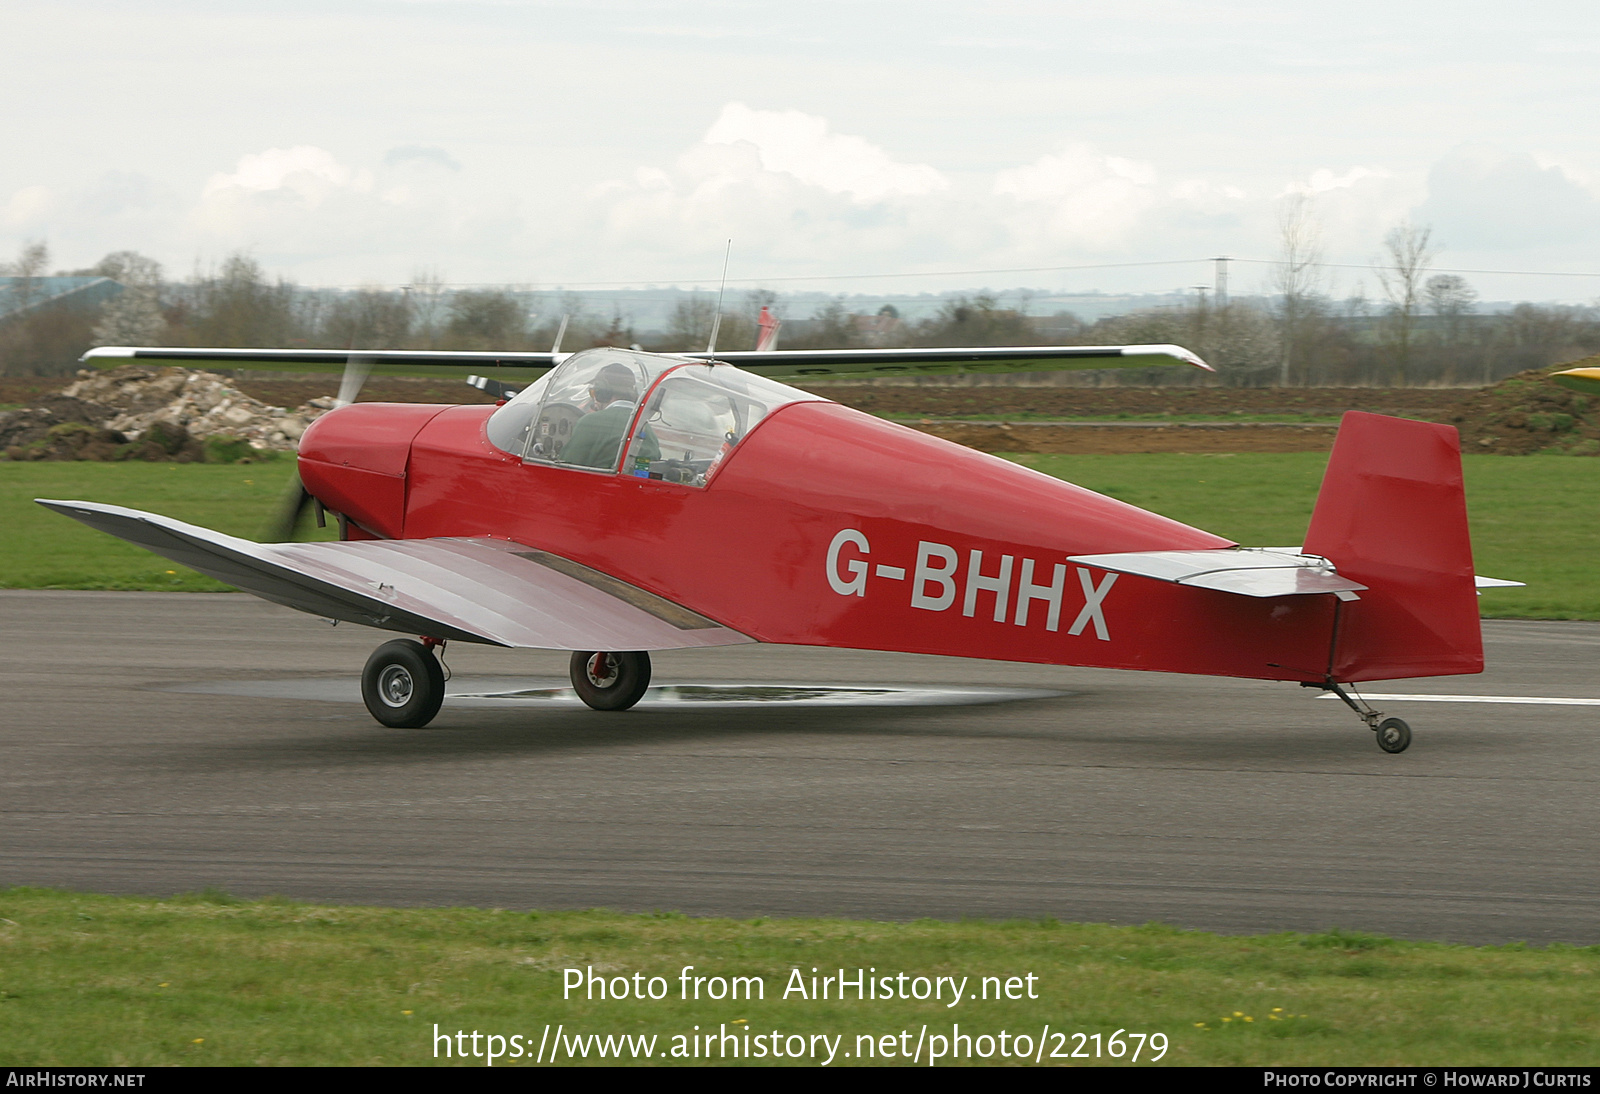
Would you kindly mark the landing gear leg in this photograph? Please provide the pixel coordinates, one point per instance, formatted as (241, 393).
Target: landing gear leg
(1392, 733)
(610, 681)
(403, 684)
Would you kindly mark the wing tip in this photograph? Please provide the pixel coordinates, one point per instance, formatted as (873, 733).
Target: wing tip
(110, 351)
(1177, 353)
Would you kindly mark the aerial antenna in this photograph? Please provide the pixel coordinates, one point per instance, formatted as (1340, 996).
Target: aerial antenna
(716, 322)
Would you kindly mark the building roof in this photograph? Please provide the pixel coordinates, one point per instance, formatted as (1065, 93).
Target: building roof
(19, 294)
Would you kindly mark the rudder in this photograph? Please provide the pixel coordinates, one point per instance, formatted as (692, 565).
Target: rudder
(1392, 514)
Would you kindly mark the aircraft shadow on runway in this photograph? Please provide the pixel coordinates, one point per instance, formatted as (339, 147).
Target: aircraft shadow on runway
(1106, 727)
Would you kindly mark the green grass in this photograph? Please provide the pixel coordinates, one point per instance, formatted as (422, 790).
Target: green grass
(44, 550)
(122, 981)
(1534, 518)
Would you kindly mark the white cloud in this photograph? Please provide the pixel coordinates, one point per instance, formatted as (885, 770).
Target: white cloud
(1083, 195)
(420, 156)
(801, 145)
(1323, 179)
(1484, 198)
(309, 174)
(28, 207)
(796, 196)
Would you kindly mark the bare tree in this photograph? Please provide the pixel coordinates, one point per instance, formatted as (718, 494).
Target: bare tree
(1408, 252)
(133, 317)
(977, 320)
(690, 324)
(426, 295)
(486, 319)
(32, 262)
(1450, 297)
(237, 306)
(127, 267)
(1297, 275)
(369, 318)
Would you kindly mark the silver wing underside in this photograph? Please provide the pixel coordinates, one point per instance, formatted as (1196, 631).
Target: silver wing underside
(492, 591)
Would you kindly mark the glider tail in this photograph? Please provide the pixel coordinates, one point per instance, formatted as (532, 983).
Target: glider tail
(1392, 515)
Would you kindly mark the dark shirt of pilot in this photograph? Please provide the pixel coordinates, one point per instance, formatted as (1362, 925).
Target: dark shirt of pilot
(597, 438)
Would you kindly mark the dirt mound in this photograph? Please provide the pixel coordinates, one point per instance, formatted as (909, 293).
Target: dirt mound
(1526, 413)
(146, 413)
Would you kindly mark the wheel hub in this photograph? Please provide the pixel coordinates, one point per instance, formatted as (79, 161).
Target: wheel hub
(395, 686)
(601, 670)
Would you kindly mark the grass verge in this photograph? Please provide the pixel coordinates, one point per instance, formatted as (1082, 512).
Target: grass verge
(44, 550)
(1534, 518)
(206, 979)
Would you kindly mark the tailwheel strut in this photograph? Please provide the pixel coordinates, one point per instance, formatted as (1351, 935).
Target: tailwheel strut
(1393, 734)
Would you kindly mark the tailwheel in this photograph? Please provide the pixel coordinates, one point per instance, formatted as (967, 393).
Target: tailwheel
(610, 681)
(403, 684)
(1393, 735)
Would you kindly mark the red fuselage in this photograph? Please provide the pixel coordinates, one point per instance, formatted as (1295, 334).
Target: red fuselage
(826, 526)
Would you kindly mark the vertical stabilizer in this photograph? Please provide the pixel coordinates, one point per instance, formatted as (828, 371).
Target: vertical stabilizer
(1392, 514)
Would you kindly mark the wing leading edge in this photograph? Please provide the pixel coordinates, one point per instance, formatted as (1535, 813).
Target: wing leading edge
(490, 591)
(783, 363)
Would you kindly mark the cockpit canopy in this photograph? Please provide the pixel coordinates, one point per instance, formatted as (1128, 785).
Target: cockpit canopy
(585, 414)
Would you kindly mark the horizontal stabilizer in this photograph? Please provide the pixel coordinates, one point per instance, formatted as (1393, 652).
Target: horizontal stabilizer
(1246, 571)
(492, 387)
(491, 591)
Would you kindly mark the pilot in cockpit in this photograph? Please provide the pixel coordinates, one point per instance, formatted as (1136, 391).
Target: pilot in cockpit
(597, 437)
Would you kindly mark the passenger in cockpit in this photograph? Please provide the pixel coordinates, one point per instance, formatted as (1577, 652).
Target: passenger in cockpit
(596, 439)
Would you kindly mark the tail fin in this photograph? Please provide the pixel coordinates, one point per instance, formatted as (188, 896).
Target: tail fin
(1392, 514)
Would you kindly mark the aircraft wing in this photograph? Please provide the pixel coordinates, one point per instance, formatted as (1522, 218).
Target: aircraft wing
(491, 591)
(389, 362)
(1586, 380)
(776, 363)
(926, 360)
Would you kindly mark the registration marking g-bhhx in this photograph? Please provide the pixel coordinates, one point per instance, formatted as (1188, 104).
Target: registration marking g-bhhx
(944, 578)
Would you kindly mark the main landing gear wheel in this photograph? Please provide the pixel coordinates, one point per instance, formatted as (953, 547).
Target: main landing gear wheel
(610, 681)
(1393, 735)
(403, 684)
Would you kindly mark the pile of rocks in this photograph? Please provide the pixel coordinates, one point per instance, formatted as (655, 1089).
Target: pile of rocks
(143, 412)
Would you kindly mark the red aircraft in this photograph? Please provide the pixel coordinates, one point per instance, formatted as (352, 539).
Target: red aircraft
(628, 502)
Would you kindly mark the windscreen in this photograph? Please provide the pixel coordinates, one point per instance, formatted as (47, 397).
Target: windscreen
(697, 416)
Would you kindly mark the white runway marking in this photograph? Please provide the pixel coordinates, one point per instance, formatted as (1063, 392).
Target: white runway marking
(1535, 700)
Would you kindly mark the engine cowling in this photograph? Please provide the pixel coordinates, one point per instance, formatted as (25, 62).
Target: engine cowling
(355, 459)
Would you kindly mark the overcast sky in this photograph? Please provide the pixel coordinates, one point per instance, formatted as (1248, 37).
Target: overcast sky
(538, 142)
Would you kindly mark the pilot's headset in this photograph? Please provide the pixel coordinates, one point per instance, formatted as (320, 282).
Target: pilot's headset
(613, 383)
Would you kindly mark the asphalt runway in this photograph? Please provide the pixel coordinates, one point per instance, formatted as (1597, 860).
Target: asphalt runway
(157, 743)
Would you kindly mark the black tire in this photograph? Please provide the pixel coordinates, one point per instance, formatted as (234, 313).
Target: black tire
(610, 681)
(403, 684)
(1394, 735)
